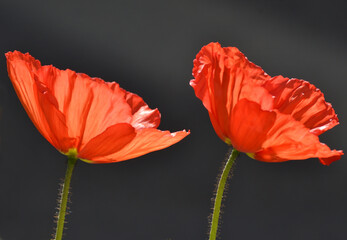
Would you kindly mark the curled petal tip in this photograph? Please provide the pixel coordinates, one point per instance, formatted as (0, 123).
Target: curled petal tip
(327, 161)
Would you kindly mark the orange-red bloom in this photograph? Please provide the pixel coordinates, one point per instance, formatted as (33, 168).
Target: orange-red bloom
(97, 120)
(273, 119)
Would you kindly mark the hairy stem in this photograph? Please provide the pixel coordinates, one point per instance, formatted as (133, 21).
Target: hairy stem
(219, 194)
(72, 159)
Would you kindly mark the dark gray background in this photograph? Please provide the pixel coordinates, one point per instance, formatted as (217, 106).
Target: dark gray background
(148, 48)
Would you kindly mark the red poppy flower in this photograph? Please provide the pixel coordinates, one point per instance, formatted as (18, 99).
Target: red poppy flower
(97, 120)
(273, 119)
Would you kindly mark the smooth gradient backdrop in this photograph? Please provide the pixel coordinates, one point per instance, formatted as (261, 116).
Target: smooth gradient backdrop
(148, 48)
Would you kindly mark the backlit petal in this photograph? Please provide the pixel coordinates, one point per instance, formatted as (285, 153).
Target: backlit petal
(53, 120)
(222, 133)
(249, 126)
(147, 140)
(223, 76)
(19, 67)
(143, 116)
(291, 140)
(37, 100)
(90, 105)
(110, 141)
(304, 102)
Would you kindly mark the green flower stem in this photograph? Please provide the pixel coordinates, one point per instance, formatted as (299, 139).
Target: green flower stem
(72, 159)
(219, 195)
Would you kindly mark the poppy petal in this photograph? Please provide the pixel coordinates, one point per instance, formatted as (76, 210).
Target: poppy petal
(291, 140)
(19, 67)
(220, 75)
(304, 102)
(143, 116)
(223, 76)
(53, 120)
(327, 161)
(37, 100)
(112, 140)
(90, 105)
(249, 126)
(147, 140)
(222, 134)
